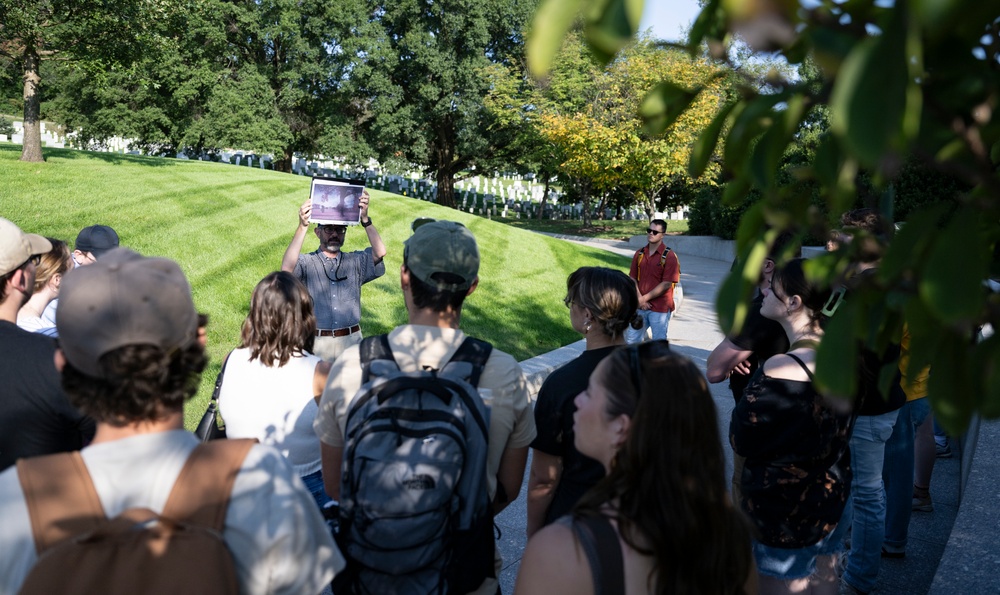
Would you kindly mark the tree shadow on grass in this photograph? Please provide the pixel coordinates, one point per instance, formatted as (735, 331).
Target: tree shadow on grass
(112, 158)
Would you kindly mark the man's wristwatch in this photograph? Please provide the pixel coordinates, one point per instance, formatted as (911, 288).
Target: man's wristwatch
(363, 224)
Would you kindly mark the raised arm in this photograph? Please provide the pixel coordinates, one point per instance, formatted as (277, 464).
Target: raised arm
(291, 255)
(724, 359)
(378, 247)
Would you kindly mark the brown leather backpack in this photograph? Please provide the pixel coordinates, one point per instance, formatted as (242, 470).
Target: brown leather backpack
(181, 550)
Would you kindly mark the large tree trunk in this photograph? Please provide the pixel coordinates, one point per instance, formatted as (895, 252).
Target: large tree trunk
(285, 163)
(31, 150)
(651, 204)
(545, 196)
(444, 158)
(585, 198)
(445, 187)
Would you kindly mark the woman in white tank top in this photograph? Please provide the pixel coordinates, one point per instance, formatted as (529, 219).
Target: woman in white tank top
(273, 381)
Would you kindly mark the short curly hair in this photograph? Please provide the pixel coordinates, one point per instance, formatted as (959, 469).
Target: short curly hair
(138, 383)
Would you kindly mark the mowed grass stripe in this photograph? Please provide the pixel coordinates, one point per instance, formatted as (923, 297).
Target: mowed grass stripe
(228, 226)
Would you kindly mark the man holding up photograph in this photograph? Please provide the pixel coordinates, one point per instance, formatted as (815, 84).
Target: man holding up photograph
(334, 278)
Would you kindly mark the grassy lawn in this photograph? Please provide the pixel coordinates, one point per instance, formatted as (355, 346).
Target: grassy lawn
(611, 230)
(228, 227)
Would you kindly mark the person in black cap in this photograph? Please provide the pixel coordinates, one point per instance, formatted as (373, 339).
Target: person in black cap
(91, 243)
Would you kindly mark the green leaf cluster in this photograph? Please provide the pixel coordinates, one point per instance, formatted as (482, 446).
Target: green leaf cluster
(911, 91)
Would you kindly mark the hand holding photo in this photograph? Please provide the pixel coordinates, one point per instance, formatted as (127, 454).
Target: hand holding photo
(335, 201)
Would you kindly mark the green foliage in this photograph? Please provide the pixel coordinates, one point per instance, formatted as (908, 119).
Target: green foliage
(97, 34)
(419, 79)
(6, 127)
(228, 227)
(710, 217)
(910, 91)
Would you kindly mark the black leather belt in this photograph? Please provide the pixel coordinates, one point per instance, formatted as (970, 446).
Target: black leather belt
(340, 332)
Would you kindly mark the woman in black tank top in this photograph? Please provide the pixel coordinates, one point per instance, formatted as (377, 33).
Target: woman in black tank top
(661, 521)
(797, 475)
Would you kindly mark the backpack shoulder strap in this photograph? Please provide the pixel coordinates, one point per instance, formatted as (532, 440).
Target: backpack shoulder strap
(476, 352)
(61, 498)
(201, 493)
(599, 541)
(372, 349)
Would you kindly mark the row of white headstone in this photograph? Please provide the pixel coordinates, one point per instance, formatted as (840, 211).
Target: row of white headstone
(50, 138)
(513, 194)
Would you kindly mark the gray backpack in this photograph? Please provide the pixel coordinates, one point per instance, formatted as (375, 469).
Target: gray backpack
(415, 515)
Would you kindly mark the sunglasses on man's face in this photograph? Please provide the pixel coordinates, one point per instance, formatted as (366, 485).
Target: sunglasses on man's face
(34, 259)
(655, 232)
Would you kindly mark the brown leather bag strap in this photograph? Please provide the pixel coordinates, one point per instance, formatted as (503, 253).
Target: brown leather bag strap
(201, 493)
(61, 498)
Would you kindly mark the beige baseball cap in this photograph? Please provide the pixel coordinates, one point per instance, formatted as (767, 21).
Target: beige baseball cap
(123, 299)
(16, 247)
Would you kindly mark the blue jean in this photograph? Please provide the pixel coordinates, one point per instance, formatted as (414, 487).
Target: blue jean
(314, 483)
(897, 472)
(868, 494)
(791, 564)
(658, 321)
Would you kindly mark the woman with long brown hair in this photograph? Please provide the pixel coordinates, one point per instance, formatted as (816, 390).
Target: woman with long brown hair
(661, 521)
(272, 380)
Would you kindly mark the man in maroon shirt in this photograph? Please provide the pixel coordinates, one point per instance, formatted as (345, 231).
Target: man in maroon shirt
(656, 270)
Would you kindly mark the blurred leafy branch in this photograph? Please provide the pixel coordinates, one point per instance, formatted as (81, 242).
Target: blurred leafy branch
(891, 85)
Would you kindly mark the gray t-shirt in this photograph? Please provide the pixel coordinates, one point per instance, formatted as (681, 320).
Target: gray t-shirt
(335, 285)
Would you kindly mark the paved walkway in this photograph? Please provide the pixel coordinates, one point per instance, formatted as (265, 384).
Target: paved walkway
(694, 332)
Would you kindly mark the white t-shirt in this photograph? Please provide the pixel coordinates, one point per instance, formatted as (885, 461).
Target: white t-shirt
(35, 324)
(274, 405)
(273, 528)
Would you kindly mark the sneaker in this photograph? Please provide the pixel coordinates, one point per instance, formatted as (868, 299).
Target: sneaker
(889, 551)
(943, 451)
(923, 504)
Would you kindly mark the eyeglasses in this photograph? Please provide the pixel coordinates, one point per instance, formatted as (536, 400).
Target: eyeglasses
(655, 232)
(568, 301)
(333, 228)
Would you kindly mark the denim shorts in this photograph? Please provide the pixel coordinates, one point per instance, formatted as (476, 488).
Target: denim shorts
(790, 564)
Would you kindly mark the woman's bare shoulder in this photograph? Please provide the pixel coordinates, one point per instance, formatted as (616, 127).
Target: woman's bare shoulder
(553, 564)
(784, 367)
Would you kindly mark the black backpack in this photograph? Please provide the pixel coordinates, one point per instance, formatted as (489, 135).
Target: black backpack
(415, 515)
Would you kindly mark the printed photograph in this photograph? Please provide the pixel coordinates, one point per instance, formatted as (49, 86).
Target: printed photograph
(335, 201)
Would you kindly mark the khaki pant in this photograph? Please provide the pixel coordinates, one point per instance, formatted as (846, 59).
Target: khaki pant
(330, 348)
